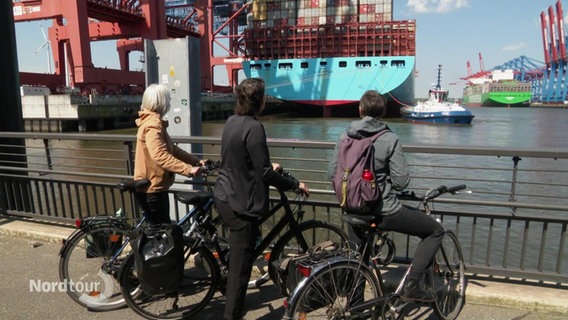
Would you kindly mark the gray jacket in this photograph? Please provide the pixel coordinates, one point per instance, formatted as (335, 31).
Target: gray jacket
(390, 168)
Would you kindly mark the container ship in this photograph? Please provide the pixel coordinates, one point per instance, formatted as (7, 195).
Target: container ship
(497, 88)
(327, 53)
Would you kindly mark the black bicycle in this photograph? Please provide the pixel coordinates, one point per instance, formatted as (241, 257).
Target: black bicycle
(92, 256)
(207, 256)
(342, 286)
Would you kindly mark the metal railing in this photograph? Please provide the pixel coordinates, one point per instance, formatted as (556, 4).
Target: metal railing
(512, 225)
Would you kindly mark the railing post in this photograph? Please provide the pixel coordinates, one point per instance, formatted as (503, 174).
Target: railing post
(512, 198)
(128, 156)
(48, 154)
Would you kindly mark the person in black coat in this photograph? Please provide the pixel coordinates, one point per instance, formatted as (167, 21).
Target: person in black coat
(242, 186)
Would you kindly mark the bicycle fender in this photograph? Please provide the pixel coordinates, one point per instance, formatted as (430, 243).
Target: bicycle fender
(68, 240)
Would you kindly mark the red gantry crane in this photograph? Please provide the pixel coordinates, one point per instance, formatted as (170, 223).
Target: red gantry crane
(77, 23)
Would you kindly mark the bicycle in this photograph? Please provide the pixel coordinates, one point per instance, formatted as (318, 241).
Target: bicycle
(91, 257)
(344, 287)
(206, 260)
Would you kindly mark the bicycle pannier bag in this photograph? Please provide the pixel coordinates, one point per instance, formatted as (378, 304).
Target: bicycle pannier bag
(158, 257)
(354, 182)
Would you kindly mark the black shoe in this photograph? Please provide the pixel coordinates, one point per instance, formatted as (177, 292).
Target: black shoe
(413, 292)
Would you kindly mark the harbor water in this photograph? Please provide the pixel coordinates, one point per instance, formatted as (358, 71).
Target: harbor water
(492, 127)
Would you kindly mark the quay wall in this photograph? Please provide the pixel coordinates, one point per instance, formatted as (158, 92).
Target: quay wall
(77, 113)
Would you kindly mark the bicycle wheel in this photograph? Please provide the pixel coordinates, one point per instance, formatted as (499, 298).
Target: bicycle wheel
(298, 240)
(88, 269)
(198, 284)
(448, 278)
(342, 290)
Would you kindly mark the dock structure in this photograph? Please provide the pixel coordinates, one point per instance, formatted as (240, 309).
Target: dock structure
(71, 112)
(78, 113)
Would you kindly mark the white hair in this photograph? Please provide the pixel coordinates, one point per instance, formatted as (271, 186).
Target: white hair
(156, 98)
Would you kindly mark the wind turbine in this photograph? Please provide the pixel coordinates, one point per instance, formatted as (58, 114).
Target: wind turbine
(47, 44)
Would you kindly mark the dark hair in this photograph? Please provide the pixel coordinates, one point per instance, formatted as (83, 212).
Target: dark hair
(250, 97)
(373, 104)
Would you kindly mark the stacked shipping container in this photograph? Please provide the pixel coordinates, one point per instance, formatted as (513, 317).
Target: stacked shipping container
(281, 13)
(282, 29)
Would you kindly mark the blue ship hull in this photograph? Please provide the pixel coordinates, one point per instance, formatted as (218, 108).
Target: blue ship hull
(337, 81)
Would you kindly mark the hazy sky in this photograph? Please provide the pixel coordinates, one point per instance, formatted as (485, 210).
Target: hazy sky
(449, 32)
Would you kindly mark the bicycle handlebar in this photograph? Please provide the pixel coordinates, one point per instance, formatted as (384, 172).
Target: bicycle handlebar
(430, 194)
(210, 166)
(288, 174)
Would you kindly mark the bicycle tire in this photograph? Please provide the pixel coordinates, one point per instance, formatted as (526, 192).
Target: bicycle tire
(198, 285)
(86, 270)
(332, 292)
(448, 278)
(313, 232)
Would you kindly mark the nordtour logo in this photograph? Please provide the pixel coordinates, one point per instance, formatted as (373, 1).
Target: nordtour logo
(93, 293)
(39, 285)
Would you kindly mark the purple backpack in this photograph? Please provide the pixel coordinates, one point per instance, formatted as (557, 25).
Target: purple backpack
(354, 182)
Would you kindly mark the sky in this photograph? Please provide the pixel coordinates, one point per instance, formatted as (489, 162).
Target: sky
(449, 32)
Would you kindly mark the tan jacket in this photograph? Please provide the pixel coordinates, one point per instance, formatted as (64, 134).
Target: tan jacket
(157, 158)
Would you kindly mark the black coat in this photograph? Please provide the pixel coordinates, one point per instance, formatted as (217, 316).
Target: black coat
(246, 171)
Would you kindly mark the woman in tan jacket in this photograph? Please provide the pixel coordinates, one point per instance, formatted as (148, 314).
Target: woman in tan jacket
(157, 158)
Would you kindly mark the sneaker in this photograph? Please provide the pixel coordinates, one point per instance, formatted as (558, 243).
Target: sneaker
(413, 292)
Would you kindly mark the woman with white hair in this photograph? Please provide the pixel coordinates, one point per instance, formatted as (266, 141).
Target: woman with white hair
(157, 157)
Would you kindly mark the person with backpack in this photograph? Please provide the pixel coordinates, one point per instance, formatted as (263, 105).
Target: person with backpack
(391, 175)
(242, 186)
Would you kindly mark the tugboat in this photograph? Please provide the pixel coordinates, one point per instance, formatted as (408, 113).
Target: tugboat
(437, 109)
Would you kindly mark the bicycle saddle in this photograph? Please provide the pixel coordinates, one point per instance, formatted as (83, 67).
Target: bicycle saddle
(360, 220)
(132, 185)
(193, 197)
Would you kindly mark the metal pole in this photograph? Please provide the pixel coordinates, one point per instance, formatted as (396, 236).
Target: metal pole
(513, 198)
(11, 109)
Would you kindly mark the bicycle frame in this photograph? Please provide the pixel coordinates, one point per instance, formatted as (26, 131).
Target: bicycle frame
(287, 219)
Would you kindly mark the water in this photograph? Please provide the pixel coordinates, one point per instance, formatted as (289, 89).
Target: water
(524, 128)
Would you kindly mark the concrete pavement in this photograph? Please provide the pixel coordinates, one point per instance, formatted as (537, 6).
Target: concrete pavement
(486, 298)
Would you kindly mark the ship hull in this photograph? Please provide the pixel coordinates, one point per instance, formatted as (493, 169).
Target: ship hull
(498, 99)
(335, 82)
(503, 93)
(441, 117)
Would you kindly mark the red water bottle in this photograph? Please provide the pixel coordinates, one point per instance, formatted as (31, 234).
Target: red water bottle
(367, 175)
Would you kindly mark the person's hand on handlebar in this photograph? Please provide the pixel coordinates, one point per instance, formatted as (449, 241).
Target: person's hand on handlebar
(276, 167)
(196, 169)
(303, 188)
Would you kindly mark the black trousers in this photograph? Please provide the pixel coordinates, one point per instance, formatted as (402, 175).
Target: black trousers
(415, 223)
(243, 232)
(156, 206)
